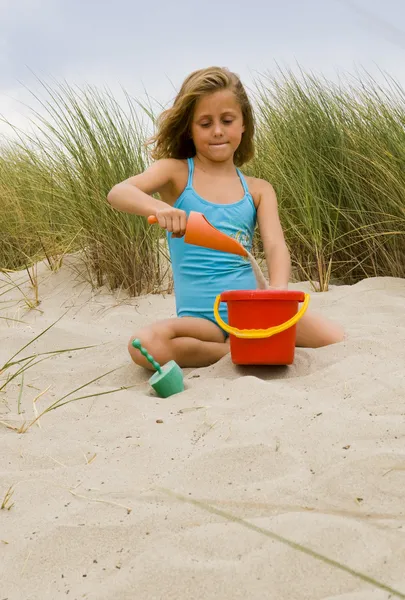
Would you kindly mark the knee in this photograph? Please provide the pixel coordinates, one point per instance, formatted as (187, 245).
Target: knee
(146, 339)
(334, 335)
(314, 331)
(151, 341)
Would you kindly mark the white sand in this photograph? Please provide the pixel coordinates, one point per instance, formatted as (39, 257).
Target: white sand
(314, 452)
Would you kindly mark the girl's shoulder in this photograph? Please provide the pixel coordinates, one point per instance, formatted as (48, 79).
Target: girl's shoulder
(258, 188)
(178, 169)
(175, 165)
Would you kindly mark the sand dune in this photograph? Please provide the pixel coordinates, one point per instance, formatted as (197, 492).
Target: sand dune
(314, 453)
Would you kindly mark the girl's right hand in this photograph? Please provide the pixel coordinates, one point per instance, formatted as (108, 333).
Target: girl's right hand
(173, 220)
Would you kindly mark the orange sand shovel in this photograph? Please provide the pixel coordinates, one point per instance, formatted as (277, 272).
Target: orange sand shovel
(200, 232)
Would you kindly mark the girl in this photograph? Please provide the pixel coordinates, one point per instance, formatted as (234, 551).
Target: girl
(199, 144)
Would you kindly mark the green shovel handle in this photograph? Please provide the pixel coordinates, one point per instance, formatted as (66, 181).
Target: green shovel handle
(137, 344)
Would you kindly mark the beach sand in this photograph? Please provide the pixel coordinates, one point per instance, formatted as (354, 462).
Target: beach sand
(104, 487)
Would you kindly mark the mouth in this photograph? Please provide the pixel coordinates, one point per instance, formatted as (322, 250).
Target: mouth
(220, 145)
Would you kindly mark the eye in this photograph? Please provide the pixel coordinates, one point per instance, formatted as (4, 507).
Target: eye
(205, 125)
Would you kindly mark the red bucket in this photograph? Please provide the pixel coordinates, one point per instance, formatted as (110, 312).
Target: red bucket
(262, 325)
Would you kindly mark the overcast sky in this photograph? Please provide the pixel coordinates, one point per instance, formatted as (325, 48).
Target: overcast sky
(154, 44)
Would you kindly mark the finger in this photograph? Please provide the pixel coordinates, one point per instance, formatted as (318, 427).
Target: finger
(183, 223)
(169, 223)
(161, 220)
(176, 225)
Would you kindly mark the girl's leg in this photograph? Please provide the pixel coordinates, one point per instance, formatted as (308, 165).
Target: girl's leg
(314, 331)
(191, 342)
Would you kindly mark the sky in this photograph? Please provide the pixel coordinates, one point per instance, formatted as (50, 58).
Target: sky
(151, 46)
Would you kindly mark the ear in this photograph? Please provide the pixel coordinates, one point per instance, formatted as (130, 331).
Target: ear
(243, 128)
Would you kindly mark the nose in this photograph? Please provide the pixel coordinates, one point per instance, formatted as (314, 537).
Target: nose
(218, 131)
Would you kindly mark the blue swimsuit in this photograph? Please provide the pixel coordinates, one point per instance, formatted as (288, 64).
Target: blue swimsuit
(200, 274)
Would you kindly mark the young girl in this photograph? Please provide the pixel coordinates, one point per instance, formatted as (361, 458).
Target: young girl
(199, 144)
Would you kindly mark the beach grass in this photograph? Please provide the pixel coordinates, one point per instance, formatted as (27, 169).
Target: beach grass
(54, 186)
(16, 366)
(335, 155)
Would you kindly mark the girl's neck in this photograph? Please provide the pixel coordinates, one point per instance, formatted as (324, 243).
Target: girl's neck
(214, 168)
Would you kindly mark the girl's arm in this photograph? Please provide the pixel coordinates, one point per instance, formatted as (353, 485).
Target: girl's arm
(275, 249)
(134, 195)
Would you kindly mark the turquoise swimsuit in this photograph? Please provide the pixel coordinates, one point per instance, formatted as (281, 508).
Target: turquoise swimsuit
(200, 274)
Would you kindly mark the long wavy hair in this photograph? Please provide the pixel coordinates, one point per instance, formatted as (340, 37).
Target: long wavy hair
(173, 137)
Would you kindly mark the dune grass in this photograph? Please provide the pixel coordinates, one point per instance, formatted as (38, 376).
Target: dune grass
(336, 158)
(17, 365)
(334, 154)
(7, 503)
(54, 187)
(232, 518)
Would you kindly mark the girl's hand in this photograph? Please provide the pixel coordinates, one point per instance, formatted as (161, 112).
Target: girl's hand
(173, 220)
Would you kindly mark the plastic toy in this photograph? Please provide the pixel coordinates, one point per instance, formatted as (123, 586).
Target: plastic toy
(200, 232)
(167, 380)
(262, 324)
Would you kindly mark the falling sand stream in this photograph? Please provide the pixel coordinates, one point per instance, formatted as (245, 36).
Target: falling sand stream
(260, 279)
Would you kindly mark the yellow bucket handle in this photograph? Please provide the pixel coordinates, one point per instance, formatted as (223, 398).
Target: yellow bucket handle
(251, 334)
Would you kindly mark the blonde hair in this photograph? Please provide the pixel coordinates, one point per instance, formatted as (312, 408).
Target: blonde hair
(173, 138)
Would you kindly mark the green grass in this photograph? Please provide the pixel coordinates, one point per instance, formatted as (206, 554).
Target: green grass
(54, 187)
(335, 155)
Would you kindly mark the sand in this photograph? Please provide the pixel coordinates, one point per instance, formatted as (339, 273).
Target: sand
(261, 282)
(104, 487)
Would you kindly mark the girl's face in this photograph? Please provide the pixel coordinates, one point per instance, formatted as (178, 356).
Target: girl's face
(217, 126)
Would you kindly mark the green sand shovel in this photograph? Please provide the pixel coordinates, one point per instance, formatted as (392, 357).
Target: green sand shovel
(167, 380)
